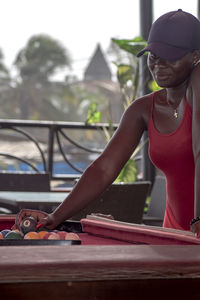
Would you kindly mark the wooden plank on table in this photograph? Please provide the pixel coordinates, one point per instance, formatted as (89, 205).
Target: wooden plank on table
(90, 263)
(151, 235)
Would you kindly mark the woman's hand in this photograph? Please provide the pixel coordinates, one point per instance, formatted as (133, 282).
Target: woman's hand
(43, 219)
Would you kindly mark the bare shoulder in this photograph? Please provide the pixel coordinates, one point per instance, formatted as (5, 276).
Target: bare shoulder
(141, 104)
(140, 109)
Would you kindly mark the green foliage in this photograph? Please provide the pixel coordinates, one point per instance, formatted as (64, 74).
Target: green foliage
(153, 86)
(34, 94)
(93, 115)
(147, 202)
(125, 73)
(129, 172)
(128, 74)
(4, 73)
(128, 77)
(41, 57)
(132, 46)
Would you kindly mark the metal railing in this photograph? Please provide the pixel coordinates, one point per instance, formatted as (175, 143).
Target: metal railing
(56, 133)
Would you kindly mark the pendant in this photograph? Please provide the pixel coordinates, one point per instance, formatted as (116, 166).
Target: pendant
(175, 113)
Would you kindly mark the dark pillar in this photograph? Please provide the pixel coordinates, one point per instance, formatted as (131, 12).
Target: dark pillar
(146, 19)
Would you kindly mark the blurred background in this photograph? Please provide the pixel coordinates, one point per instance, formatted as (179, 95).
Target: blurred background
(58, 62)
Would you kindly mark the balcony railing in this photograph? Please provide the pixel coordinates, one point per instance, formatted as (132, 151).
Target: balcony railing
(52, 142)
(59, 141)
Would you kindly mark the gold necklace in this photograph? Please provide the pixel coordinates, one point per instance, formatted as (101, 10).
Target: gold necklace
(174, 109)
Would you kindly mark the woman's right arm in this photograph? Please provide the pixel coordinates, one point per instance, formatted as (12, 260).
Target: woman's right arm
(103, 171)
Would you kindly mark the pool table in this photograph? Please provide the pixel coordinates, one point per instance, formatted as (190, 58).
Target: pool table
(115, 260)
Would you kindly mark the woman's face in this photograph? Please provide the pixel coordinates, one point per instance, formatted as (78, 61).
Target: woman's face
(170, 73)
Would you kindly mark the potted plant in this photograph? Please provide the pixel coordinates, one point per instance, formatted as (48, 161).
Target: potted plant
(128, 78)
(125, 198)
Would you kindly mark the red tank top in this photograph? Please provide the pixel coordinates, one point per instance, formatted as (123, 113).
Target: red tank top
(172, 153)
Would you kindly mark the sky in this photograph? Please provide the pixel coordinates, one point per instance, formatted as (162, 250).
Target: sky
(77, 24)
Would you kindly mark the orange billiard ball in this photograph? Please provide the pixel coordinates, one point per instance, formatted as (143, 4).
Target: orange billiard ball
(32, 235)
(42, 233)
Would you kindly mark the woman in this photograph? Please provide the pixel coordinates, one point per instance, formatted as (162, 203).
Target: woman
(172, 118)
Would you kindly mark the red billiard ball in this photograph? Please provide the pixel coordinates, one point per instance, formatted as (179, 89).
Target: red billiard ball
(42, 233)
(62, 234)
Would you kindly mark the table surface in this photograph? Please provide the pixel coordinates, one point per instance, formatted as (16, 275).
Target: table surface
(89, 271)
(98, 262)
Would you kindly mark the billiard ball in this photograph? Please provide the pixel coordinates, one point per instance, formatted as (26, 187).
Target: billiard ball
(72, 236)
(32, 235)
(62, 234)
(28, 224)
(12, 235)
(42, 233)
(51, 236)
(4, 232)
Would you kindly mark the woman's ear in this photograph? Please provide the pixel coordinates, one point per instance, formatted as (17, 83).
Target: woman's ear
(196, 57)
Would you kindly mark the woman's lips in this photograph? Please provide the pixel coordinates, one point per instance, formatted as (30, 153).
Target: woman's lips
(161, 75)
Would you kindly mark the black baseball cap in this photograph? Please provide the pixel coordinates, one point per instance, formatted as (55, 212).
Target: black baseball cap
(173, 35)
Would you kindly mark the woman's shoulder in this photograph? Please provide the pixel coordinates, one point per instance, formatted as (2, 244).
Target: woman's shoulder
(146, 100)
(140, 109)
(143, 104)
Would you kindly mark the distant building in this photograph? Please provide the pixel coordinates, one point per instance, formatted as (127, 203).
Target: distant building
(98, 68)
(98, 79)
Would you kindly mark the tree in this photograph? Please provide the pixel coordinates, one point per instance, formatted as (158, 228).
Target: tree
(34, 90)
(41, 58)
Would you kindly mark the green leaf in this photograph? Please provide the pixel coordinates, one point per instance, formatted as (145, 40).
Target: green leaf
(147, 202)
(93, 115)
(132, 46)
(153, 86)
(124, 74)
(128, 173)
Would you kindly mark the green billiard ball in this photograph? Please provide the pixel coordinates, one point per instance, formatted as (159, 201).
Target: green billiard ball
(12, 235)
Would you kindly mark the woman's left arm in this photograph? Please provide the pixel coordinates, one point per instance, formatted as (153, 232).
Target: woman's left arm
(195, 95)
